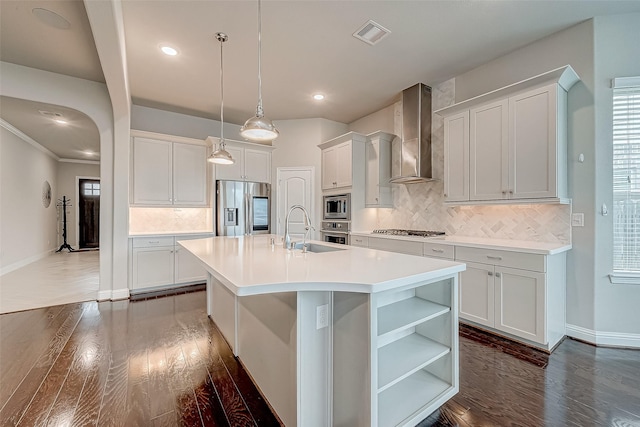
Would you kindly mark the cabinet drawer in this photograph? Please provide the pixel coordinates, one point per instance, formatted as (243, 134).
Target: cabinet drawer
(523, 261)
(437, 250)
(391, 245)
(362, 241)
(150, 242)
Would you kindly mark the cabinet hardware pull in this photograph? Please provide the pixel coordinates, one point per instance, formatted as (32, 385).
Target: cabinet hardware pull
(497, 274)
(438, 250)
(154, 241)
(510, 191)
(499, 258)
(490, 273)
(504, 191)
(446, 195)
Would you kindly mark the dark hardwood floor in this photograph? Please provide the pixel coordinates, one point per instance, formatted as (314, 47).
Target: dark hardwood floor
(162, 362)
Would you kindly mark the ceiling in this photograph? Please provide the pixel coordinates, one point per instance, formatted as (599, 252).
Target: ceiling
(307, 47)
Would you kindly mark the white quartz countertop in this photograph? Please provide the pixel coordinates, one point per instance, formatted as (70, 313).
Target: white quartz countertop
(166, 233)
(483, 243)
(250, 265)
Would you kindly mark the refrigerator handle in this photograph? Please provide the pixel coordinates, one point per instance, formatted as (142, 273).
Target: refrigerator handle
(248, 220)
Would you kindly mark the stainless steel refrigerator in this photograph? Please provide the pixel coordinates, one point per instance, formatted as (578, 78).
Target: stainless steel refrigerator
(242, 208)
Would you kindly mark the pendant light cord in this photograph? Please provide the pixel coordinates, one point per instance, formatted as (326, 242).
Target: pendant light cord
(259, 110)
(221, 97)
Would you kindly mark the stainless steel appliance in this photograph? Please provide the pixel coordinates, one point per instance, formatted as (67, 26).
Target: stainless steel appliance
(337, 207)
(401, 232)
(242, 208)
(336, 232)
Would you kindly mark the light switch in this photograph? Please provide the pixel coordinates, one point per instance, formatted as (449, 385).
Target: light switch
(577, 220)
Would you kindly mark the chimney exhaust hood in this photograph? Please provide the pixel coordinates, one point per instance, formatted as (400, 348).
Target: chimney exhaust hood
(411, 154)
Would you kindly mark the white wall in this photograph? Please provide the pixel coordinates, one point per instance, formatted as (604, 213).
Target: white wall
(380, 120)
(572, 46)
(67, 184)
(617, 54)
(27, 228)
(297, 145)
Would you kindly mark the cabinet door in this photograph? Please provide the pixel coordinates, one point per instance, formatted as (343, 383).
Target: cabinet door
(257, 165)
(372, 173)
(520, 303)
(234, 172)
(189, 174)
(152, 172)
(188, 268)
(329, 168)
(533, 144)
(477, 294)
(489, 153)
(152, 267)
(456, 157)
(344, 176)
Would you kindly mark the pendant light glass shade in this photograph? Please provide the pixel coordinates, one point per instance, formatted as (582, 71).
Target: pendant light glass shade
(259, 128)
(221, 156)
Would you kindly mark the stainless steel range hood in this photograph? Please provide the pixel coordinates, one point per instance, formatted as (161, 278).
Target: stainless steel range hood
(411, 154)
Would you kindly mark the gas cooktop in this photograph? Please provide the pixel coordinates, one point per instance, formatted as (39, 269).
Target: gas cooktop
(400, 232)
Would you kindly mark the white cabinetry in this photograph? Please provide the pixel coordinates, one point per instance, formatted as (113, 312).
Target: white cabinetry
(360, 241)
(168, 173)
(342, 160)
(456, 153)
(396, 245)
(160, 262)
(519, 294)
(378, 170)
(252, 162)
(517, 142)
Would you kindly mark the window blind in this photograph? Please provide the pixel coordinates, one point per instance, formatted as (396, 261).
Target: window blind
(626, 175)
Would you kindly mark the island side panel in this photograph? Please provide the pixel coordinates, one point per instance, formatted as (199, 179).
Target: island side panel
(222, 307)
(267, 347)
(352, 364)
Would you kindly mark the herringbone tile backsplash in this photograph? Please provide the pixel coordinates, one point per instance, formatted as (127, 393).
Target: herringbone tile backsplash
(421, 206)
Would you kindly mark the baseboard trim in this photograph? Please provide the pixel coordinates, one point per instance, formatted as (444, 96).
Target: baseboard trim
(117, 294)
(104, 295)
(605, 339)
(26, 261)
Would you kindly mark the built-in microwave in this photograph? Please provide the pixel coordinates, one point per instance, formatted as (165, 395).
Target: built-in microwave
(337, 207)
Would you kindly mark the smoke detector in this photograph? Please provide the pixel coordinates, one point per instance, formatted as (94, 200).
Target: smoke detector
(371, 32)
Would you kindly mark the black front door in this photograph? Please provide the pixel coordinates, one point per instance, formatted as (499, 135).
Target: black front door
(89, 213)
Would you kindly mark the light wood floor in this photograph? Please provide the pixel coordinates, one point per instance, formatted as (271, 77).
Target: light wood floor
(59, 278)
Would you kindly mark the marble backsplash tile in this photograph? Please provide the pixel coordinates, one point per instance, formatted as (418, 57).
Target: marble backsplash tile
(158, 220)
(421, 206)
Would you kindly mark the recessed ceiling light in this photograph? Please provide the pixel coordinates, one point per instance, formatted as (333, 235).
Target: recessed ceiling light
(168, 50)
(371, 32)
(318, 97)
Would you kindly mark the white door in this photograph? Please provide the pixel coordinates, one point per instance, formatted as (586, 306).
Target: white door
(189, 174)
(329, 168)
(456, 157)
(257, 165)
(344, 176)
(152, 172)
(477, 294)
(235, 171)
(295, 187)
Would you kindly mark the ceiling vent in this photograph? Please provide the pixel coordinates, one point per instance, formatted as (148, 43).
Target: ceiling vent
(371, 33)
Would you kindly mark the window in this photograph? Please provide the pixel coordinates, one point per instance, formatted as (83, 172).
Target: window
(626, 174)
(90, 189)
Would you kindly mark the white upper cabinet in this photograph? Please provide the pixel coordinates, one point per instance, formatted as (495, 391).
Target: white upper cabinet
(252, 162)
(342, 157)
(378, 170)
(517, 142)
(168, 173)
(456, 151)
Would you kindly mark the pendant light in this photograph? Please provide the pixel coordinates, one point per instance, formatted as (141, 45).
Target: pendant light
(259, 128)
(221, 156)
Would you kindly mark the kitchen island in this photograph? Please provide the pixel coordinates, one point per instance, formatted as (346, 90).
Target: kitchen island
(337, 335)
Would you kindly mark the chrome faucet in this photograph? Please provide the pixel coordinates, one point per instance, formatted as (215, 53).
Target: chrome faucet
(286, 242)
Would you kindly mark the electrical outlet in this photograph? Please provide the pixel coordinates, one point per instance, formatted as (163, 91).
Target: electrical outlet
(322, 316)
(577, 220)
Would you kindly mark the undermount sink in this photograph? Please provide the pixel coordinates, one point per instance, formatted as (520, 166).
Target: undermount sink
(316, 248)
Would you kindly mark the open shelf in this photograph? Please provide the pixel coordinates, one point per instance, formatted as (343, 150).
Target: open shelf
(408, 397)
(406, 314)
(398, 360)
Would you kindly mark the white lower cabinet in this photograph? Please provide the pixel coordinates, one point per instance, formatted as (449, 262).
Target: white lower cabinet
(417, 347)
(160, 262)
(521, 295)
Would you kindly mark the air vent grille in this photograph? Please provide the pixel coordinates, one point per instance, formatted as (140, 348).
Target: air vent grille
(371, 32)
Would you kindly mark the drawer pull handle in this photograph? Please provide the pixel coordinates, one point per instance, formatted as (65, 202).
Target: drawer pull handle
(497, 274)
(154, 241)
(440, 251)
(499, 258)
(490, 273)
